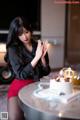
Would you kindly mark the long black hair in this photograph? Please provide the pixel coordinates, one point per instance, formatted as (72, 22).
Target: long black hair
(16, 29)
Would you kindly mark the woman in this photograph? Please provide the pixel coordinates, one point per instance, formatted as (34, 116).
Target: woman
(27, 58)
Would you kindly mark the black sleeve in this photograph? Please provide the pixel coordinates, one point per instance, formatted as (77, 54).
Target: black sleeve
(46, 69)
(21, 71)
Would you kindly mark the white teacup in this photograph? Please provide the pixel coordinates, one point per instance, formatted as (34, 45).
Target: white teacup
(61, 88)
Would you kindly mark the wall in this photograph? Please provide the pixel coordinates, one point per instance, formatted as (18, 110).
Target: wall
(52, 29)
(73, 34)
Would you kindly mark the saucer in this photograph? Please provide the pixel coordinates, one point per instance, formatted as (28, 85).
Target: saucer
(49, 94)
(42, 93)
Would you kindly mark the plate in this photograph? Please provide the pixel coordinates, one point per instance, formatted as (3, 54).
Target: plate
(41, 93)
(49, 94)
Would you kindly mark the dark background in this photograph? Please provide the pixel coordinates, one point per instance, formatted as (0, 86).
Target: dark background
(30, 9)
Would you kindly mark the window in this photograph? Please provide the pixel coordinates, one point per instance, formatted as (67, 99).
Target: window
(27, 8)
(30, 9)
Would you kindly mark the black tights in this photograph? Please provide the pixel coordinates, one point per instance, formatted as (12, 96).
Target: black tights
(14, 111)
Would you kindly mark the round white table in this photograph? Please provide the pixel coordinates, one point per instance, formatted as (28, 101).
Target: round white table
(40, 109)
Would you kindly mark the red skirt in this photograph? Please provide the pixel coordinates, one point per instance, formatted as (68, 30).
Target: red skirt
(16, 85)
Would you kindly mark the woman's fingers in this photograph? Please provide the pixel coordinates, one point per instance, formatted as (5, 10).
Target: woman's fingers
(45, 47)
(39, 49)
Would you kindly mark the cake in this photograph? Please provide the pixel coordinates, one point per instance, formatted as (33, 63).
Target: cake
(60, 87)
(64, 82)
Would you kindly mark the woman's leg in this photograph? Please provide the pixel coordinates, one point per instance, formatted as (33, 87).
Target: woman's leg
(14, 111)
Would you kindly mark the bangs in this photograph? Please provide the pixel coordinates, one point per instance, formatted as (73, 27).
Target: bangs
(20, 31)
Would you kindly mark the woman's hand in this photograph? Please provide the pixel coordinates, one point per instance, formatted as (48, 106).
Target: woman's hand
(39, 50)
(38, 54)
(45, 48)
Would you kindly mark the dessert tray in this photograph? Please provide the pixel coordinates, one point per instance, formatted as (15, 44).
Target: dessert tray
(49, 94)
